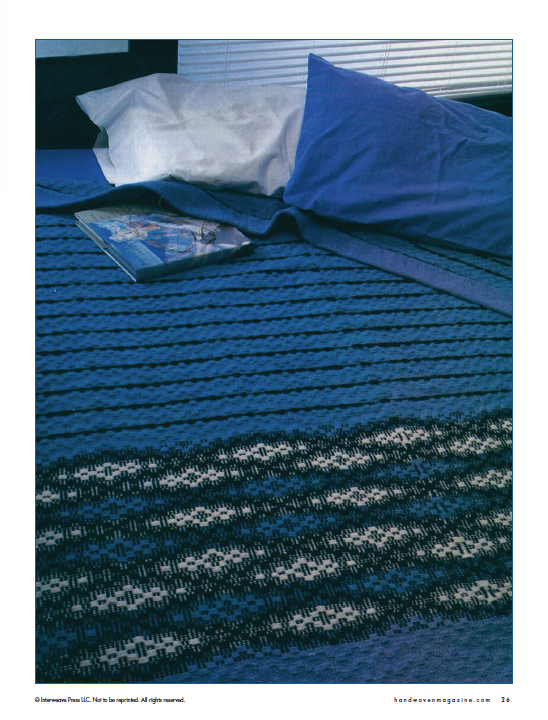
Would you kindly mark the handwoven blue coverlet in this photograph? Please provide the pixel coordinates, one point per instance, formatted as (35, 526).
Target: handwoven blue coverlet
(292, 468)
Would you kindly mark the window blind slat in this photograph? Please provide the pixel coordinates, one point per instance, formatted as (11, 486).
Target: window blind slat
(260, 46)
(396, 61)
(395, 70)
(441, 67)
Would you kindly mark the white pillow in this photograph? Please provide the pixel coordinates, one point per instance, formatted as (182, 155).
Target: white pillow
(100, 148)
(202, 132)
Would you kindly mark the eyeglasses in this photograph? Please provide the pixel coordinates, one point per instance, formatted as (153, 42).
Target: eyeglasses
(171, 232)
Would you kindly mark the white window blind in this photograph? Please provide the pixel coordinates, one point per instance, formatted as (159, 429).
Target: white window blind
(452, 68)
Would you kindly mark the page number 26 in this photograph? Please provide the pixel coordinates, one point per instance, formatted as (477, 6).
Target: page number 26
(503, 699)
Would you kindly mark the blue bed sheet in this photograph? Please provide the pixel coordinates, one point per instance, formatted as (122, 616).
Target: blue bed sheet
(69, 164)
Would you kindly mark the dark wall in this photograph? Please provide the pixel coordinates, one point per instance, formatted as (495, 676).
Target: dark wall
(497, 103)
(60, 122)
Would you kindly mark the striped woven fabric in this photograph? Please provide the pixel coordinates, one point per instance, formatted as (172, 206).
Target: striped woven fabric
(290, 468)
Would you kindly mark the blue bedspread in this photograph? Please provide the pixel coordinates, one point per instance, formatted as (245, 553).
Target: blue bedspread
(262, 216)
(292, 468)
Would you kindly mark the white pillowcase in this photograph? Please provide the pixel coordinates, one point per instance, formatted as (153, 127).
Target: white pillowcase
(207, 133)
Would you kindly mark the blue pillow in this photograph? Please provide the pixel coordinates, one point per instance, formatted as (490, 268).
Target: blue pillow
(427, 169)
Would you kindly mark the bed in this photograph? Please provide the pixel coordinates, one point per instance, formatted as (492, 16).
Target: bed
(293, 468)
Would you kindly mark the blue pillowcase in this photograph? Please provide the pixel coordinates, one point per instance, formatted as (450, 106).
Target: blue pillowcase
(427, 169)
